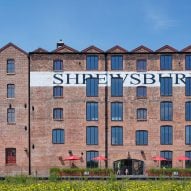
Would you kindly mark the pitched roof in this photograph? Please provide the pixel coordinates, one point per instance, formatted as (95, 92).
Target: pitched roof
(167, 48)
(186, 49)
(40, 50)
(92, 49)
(65, 48)
(142, 48)
(13, 45)
(117, 48)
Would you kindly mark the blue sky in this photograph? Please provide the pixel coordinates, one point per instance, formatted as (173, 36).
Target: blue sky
(104, 23)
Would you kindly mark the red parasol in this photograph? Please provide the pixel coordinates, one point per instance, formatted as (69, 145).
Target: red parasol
(100, 158)
(158, 158)
(73, 157)
(183, 158)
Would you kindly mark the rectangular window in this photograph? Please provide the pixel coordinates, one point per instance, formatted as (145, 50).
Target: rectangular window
(92, 111)
(166, 111)
(188, 162)
(58, 91)
(10, 156)
(90, 163)
(92, 62)
(10, 90)
(188, 62)
(188, 86)
(58, 136)
(166, 135)
(92, 87)
(188, 111)
(117, 135)
(116, 62)
(165, 62)
(141, 65)
(92, 135)
(57, 65)
(58, 114)
(166, 86)
(116, 87)
(10, 115)
(168, 156)
(116, 111)
(141, 137)
(141, 92)
(10, 66)
(188, 134)
(142, 114)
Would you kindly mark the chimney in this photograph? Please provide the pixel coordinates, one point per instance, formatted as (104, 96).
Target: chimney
(60, 43)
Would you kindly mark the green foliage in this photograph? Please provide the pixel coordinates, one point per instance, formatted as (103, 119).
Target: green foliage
(19, 179)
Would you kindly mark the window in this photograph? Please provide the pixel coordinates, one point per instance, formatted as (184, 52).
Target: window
(116, 111)
(116, 135)
(10, 90)
(141, 137)
(166, 113)
(116, 87)
(10, 156)
(188, 162)
(57, 113)
(117, 62)
(188, 86)
(58, 91)
(92, 62)
(92, 87)
(142, 114)
(92, 135)
(188, 62)
(166, 135)
(168, 156)
(10, 66)
(166, 86)
(58, 136)
(166, 62)
(92, 111)
(11, 115)
(90, 163)
(57, 65)
(141, 92)
(188, 111)
(188, 134)
(141, 65)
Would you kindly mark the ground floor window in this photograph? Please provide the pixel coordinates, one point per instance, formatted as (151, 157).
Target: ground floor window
(168, 156)
(10, 155)
(188, 162)
(90, 163)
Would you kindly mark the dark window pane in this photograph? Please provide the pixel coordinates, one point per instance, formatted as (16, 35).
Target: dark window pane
(141, 137)
(166, 62)
(10, 66)
(188, 86)
(116, 87)
(92, 135)
(117, 62)
(166, 111)
(10, 155)
(11, 115)
(92, 62)
(58, 114)
(141, 92)
(141, 65)
(188, 162)
(188, 134)
(92, 87)
(58, 65)
(188, 111)
(116, 111)
(89, 162)
(58, 91)
(141, 114)
(58, 136)
(10, 91)
(92, 111)
(116, 135)
(168, 156)
(188, 62)
(166, 135)
(166, 86)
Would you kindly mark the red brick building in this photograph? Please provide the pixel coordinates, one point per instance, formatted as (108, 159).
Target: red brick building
(127, 106)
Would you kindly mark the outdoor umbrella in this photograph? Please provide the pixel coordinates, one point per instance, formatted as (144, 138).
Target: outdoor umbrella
(100, 158)
(72, 158)
(158, 158)
(182, 158)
